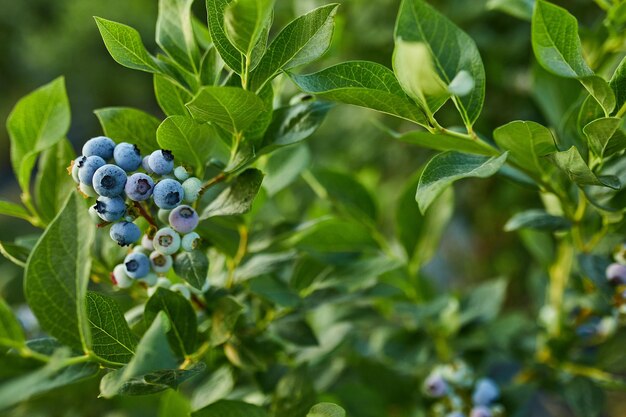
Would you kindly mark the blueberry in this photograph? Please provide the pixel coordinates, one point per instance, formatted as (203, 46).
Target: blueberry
(161, 162)
(435, 386)
(145, 164)
(181, 173)
(109, 180)
(168, 194)
(125, 233)
(485, 392)
(146, 242)
(87, 167)
(190, 241)
(181, 289)
(110, 209)
(160, 263)
(166, 241)
(127, 156)
(183, 219)
(192, 187)
(481, 411)
(616, 274)
(137, 265)
(100, 146)
(87, 190)
(139, 187)
(120, 278)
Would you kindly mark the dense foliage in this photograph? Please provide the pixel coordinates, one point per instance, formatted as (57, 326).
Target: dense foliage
(292, 296)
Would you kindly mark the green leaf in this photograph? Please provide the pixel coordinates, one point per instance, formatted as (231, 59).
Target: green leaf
(217, 386)
(237, 197)
(174, 33)
(183, 332)
(558, 49)
(171, 96)
(231, 56)
(57, 274)
(153, 353)
(445, 142)
(125, 124)
(125, 46)
(302, 41)
(326, 410)
(15, 253)
(294, 394)
(584, 397)
(332, 235)
(572, 164)
(231, 108)
(448, 167)
(607, 136)
(8, 208)
(294, 329)
(293, 124)
(537, 219)
(618, 84)
(211, 68)
(190, 142)
(485, 302)
(284, 166)
(230, 408)
(345, 190)
(174, 403)
(451, 49)
(158, 381)
(193, 267)
(226, 312)
(527, 144)
(522, 9)
(111, 338)
(11, 334)
(37, 122)
(53, 182)
(245, 21)
(364, 84)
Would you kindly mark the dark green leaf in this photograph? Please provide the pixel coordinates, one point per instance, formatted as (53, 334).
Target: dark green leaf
(183, 330)
(579, 172)
(584, 397)
(448, 167)
(15, 253)
(618, 84)
(57, 274)
(217, 386)
(174, 33)
(607, 136)
(294, 395)
(536, 219)
(237, 197)
(53, 183)
(11, 334)
(293, 124)
(284, 166)
(171, 96)
(225, 315)
(160, 380)
(231, 56)
(333, 235)
(345, 190)
(230, 408)
(326, 410)
(125, 124)
(294, 328)
(193, 267)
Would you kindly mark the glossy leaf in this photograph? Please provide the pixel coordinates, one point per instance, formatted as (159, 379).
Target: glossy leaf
(606, 136)
(448, 167)
(125, 124)
(245, 22)
(445, 142)
(193, 267)
(57, 274)
(183, 324)
(537, 219)
(618, 84)
(231, 56)
(174, 33)
(170, 96)
(572, 164)
(237, 197)
(53, 182)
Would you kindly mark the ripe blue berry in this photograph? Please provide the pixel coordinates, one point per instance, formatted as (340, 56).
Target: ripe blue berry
(137, 265)
(161, 263)
(120, 278)
(166, 241)
(110, 209)
(435, 386)
(485, 392)
(161, 162)
(139, 187)
(109, 180)
(192, 187)
(87, 167)
(183, 219)
(145, 164)
(481, 411)
(168, 193)
(616, 274)
(127, 156)
(125, 233)
(181, 173)
(100, 146)
(190, 241)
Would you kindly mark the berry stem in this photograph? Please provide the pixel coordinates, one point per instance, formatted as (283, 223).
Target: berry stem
(215, 180)
(144, 213)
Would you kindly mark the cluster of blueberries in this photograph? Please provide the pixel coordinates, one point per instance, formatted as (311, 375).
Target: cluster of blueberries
(451, 385)
(110, 172)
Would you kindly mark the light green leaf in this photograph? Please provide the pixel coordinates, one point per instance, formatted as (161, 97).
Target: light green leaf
(558, 49)
(527, 143)
(445, 142)
(174, 33)
(57, 274)
(211, 67)
(37, 122)
(606, 136)
(332, 235)
(451, 50)
(226, 312)
(8, 208)
(125, 46)
(170, 96)
(536, 219)
(193, 267)
(231, 56)
(153, 354)
(485, 302)
(237, 197)
(326, 410)
(579, 172)
(183, 330)
(364, 84)
(217, 386)
(302, 41)
(125, 124)
(231, 108)
(245, 21)
(284, 166)
(618, 84)
(448, 167)
(11, 334)
(111, 338)
(230, 408)
(174, 403)
(53, 182)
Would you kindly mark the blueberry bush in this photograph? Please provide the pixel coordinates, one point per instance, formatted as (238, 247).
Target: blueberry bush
(199, 264)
